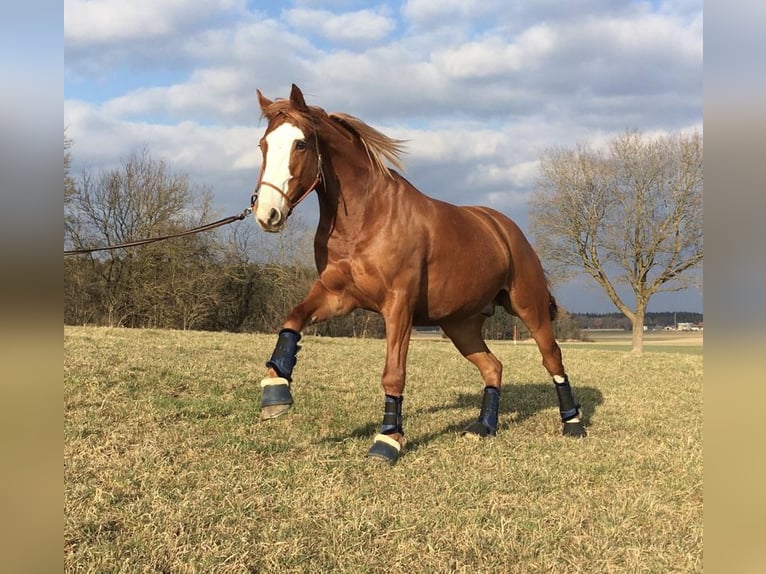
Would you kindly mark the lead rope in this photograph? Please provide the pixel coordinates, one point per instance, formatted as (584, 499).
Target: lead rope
(207, 227)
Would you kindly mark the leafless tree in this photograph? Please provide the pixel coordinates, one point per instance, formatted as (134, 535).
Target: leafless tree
(167, 284)
(629, 215)
(70, 188)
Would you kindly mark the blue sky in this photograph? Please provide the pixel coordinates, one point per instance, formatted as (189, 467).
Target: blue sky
(479, 87)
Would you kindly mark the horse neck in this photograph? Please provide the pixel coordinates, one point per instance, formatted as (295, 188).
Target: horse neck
(348, 182)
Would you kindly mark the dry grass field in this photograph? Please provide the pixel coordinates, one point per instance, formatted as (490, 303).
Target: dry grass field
(654, 341)
(168, 469)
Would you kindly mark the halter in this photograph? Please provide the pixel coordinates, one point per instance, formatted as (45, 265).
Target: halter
(291, 203)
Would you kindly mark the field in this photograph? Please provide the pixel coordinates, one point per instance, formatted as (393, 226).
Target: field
(690, 342)
(168, 469)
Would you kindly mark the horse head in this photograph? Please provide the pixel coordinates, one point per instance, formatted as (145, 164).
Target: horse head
(292, 164)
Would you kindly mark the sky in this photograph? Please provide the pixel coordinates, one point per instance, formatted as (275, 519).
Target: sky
(479, 88)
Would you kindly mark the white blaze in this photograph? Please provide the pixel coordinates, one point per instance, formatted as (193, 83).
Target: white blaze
(279, 145)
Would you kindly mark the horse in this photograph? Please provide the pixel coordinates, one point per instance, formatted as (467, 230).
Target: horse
(384, 246)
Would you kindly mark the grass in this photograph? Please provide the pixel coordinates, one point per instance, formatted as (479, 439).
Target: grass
(654, 341)
(168, 469)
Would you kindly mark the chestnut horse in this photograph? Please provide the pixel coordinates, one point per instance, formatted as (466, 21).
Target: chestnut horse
(384, 246)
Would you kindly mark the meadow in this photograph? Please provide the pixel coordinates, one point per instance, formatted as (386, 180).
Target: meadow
(167, 467)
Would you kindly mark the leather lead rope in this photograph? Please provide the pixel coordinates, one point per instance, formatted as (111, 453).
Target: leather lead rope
(201, 228)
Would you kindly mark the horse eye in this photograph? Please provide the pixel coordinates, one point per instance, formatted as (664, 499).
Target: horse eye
(300, 144)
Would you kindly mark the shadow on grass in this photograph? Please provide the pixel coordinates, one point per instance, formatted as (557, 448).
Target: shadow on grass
(524, 400)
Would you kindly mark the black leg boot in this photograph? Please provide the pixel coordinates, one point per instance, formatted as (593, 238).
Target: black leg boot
(486, 424)
(276, 398)
(568, 408)
(385, 446)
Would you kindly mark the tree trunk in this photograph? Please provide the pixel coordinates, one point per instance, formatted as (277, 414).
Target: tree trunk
(638, 329)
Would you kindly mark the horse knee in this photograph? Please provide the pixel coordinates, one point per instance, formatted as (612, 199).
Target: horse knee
(296, 319)
(320, 304)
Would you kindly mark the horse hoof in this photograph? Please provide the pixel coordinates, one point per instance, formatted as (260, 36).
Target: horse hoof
(575, 429)
(478, 429)
(273, 411)
(385, 448)
(276, 393)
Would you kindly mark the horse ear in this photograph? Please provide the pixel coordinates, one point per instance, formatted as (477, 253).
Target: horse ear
(263, 101)
(296, 99)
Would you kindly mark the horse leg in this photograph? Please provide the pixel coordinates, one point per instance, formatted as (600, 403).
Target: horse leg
(538, 320)
(319, 304)
(466, 336)
(569, 408)
(389, 440)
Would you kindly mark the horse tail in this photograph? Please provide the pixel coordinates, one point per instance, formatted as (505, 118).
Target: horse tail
(553, 307)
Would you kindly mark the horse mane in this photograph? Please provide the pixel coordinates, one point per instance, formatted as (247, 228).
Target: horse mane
(300, 119)
(378, 146)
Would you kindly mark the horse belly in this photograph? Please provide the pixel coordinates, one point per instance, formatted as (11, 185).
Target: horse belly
(460, 291)
(470, 262)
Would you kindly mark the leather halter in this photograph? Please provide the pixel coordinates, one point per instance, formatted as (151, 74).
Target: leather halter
(291, 203)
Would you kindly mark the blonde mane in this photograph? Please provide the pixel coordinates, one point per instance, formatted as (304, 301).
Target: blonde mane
(379, 147)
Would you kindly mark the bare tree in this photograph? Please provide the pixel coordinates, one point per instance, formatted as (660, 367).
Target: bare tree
(70, 188)
(631, 215)
(155, 285)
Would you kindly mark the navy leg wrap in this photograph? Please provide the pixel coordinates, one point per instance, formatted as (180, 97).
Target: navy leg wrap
(489, 408)
(385, 447)
(568, 406)
(283, 358)
(486, 424)
(392, 416)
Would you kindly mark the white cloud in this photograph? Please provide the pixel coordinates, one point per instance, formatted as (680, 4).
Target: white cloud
(225, 159)
(109, 21)
(431, 12)
(480, 88)
(495, 55)
(647, 34)
(450, 144)
(360, 27)
(211, 92)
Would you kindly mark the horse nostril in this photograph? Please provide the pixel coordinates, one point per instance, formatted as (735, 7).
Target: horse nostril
(274, 216)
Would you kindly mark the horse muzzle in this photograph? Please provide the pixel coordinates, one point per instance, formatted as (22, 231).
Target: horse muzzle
(270, 219)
